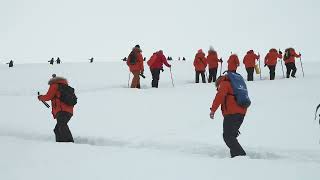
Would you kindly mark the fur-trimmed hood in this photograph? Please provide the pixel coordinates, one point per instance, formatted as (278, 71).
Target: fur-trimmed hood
(57, 79)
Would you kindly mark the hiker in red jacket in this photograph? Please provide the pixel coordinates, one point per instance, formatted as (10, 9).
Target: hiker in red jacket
(156, 65)
(249, 61)
(233, 115)
(60, 111)
(271, 61)
(289, 59)
(135, 63)
(233, 63)
(212, 60)
(200, 64)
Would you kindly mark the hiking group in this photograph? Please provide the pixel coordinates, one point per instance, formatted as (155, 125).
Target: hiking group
(231, 96)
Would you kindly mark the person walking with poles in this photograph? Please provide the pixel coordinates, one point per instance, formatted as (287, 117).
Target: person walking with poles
(249, 61)
(200, 64)
(156, 65)
(10, 63)
(62, 109)
(233, 63)
(212, 60)
(289, 59)
(271, 61)
(135, 63)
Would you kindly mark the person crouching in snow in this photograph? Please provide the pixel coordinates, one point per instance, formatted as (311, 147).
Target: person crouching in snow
(60, 111)
(233, 115)
(200, 64)
(155, 63)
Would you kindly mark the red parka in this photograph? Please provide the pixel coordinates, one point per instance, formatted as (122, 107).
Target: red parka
(250, 58)
(233, 62)
(292, 57)
(200, 62)
(138, 66)
(271, 57)
(53, 95)
(225, 98)
(159, 60)
(212, 59)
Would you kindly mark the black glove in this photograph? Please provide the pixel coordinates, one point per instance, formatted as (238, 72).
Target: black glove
(162, 69)
(265, 65)
(220, 60)
(280, 52)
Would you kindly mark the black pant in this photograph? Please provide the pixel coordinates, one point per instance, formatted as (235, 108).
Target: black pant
(291, 67)
(212, 75)
(202, 76)
(250, 72)
(272, 71)
(231, 125)
(155, 77)
(62, 130)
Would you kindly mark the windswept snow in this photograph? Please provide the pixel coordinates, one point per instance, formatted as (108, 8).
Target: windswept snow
(164, 133)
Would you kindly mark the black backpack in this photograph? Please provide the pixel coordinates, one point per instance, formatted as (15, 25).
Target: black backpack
(287, 54)
(133, 58)
(67, 95)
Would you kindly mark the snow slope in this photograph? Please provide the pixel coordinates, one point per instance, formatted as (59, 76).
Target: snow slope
(164, 133)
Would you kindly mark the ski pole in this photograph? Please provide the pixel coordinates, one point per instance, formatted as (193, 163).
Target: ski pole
(221, 66)
(301, 66)
(281, 66)
(171, 78)
(45, 103)
(260, 67)
(129, 79)
(315, 115)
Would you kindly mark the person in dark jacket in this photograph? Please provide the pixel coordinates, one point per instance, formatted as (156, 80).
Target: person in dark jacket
(58, 61)
(156, 65)
(233, 115)
(51, 61)
(60, 111)
(10, 63)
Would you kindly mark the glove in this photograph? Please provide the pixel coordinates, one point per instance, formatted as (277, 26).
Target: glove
(39, 97)
(169, 65)
(265, 65)
(142, 71)
(212, 115)
(162, 69)
(280, 52)
(220, 60)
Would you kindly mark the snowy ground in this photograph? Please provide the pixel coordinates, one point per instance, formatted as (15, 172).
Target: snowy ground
(164, 133)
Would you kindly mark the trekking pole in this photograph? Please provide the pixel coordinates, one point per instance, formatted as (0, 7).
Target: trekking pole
(129, 79)
(45, 103)
(260, 67)
(315, 115)
(171, 78)
(221, 67)
(301, 66)
(282, 67)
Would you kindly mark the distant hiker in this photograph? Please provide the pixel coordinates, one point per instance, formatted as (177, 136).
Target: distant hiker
(212, 60)
(233, 63)
(135, 63)
(155, 63)
(58, 61)
(179, 59)
(249, 61)
(271, 61)
(10, 63)
(91, 60)
(183, 59)
(289, 59)
(232, 112)
(51, 61)
(61, 111)
(200, 64)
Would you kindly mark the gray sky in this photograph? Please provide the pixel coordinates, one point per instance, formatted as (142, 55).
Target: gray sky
(36, 30)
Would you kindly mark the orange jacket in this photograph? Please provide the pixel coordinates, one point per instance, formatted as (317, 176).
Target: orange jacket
(271, 57)
(249, 59)
(53, 95)
(292, 57)
(138, 66)
(200, 62)
(225, 98)
(233, 62)
(212, 59)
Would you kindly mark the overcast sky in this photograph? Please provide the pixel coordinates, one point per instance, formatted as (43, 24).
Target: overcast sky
(36, 30)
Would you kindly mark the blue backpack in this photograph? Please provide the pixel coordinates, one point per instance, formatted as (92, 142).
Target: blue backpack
(239, 89)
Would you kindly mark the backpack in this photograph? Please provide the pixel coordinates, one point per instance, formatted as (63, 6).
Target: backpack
(67, 95)
(287, 54)
(152, 60)
(133, 58)
(239, 88)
